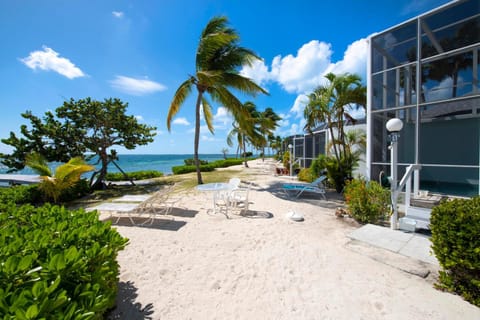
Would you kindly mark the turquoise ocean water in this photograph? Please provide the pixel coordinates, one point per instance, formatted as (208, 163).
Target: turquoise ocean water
(140, 162)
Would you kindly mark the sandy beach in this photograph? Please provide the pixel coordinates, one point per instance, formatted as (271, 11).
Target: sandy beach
(198, 265)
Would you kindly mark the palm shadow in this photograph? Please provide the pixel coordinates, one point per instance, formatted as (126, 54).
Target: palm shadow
(126, 307)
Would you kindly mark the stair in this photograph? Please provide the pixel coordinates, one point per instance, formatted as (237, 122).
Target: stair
(420, 215)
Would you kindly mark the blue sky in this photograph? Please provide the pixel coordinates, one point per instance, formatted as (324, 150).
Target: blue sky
(141, 51)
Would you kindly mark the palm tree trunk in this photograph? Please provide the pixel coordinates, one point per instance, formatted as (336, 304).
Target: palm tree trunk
(244, 153)
(197, 137)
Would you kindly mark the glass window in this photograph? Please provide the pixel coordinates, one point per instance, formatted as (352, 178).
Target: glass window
(447, 78)
(450, 180)
(395, 47)
(449, 140)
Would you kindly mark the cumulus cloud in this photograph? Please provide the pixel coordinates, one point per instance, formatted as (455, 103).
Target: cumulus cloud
(181, 121)
(302, 72)
(137, 87)
(118, 14)
(49, 60)
(139, 118)
(354, 60)
(299, 105)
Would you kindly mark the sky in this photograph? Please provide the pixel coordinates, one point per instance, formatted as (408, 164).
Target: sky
(140, 51)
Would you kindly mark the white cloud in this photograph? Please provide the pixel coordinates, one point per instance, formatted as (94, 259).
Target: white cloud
(118, 14)
(49, 59)
(354, 60)
(181, 121)
(137, 87)
(258, 72)
(302, 72)
(222, 119)
(139, 118)
(299, 105)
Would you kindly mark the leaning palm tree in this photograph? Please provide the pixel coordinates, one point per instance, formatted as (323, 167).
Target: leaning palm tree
(218, 59)
(65, 177)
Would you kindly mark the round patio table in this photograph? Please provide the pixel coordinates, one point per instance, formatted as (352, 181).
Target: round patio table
(216, 188)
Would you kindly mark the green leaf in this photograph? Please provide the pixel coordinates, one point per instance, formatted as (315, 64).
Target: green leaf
(32, 312)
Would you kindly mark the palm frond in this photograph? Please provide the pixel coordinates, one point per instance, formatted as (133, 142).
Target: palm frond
(179, 98)
(207, 112)
(38, 164)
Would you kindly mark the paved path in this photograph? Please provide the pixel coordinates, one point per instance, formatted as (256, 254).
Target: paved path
(20, 178)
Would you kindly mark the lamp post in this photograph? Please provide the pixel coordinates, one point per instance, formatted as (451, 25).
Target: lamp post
(290, 148)
(394, 126)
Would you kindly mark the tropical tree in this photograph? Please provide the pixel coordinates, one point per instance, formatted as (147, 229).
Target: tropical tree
(65, 176)
(330, 104)
(224, 151)
(78, 127)
(218, 59)
(247, 129)
(268, 122)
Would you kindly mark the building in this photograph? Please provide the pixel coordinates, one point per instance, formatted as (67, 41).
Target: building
(425, 72)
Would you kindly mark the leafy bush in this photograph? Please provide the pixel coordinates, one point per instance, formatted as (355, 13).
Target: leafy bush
(318, 166)
(20, 195)
(227, 163)
(136, 175)
(208, 167)
(455, 227)
(367, 202)
(305, 174)
(339, 172)
(188, 169)
(56, 263)
(191, 162)
(78, 190)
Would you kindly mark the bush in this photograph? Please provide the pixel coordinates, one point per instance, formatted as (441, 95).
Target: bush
(56, 263)
(80, 189)
(455, 227)
(305, 174)
(20, 194)
(191, 162)
(367, 202)
(188, 169)
(136, 175)
(227, 163)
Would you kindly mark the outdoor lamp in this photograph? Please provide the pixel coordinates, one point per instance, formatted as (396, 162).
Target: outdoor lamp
(290, 147)
(394, 126)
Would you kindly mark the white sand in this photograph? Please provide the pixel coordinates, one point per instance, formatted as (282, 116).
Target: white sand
(204, 266)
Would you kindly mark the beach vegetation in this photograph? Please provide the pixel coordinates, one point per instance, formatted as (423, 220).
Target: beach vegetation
(135, 175)
(57, 263)
(224, 152)
(75, 129)
(247, 131)
(207, 167)
(329, 104)
(65, 177)
(455, 226)
(218, 59)
(191, 162)
(367, 202)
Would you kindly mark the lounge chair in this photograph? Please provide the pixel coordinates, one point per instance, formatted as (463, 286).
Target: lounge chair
(297, 189)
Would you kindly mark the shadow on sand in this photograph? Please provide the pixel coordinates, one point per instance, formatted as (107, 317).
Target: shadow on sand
(126, 307)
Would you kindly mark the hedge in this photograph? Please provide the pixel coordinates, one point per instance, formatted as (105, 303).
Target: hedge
(455, 226)
(135, 175)
(56, 263)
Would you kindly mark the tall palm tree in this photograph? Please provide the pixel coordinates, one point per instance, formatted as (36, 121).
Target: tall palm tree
(217, 61)
(65, 177)
(247, 129)
(268, 122)
(329, 104)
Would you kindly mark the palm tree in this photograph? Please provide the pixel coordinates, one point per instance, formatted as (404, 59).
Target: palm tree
(65, 177)
(247, 130)
(217, 62)
(268, 122)
(328, 104)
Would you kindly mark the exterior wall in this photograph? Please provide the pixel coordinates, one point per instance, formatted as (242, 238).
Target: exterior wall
(425, 72)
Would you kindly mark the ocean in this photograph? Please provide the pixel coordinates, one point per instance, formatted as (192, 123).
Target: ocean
(142, 162)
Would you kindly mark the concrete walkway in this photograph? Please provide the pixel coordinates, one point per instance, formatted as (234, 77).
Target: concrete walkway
(410, 252)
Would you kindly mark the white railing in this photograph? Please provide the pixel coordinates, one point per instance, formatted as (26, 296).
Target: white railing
(407, 183)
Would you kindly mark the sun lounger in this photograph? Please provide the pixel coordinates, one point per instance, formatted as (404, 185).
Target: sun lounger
(297, 189)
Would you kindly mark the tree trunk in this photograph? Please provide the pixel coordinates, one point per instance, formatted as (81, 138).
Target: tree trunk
(99, 183)
(197, 137)
(244, 153)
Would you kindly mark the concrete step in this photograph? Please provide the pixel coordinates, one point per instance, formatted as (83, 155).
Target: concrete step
(420, 215)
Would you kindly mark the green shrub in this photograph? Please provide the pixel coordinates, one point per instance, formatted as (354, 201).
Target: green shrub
(136, 175)
(20, 194)
(191, 162)
(188, 169)
(367, 202)
(227, 163)
(305, 174)
(56, 263)
(80, 189)
(318, 166)
(455, 227)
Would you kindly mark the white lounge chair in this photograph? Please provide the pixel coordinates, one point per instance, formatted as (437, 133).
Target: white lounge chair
(297, 189)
